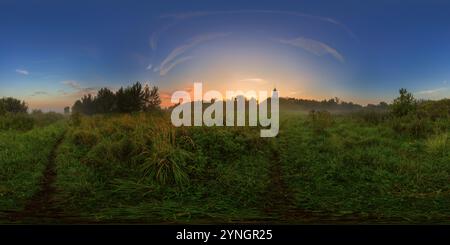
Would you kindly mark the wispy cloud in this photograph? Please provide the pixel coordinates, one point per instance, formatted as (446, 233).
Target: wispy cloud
(165, 69)
(174, 58)
(22, 71)
(253, 80)
(183, 16)
(316, 47)
(178, 17)
(79, 90)
(72, 84)
(37, 93)
(431, 91)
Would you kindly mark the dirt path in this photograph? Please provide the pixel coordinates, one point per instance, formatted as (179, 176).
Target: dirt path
(280, 205)
(41, 207)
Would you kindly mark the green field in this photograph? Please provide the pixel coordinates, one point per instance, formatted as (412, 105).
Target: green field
(362, 167)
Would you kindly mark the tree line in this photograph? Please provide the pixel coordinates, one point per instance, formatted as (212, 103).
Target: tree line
(333, 104)
(12, 105)
(125, 100)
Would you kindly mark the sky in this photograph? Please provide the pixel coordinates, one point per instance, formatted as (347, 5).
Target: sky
(53, 52)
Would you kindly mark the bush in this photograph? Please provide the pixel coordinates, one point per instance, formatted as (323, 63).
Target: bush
(435, 109)
(372, 116)
(320, 120)
(43, 119)
(16, 121)
(413, 126)
(437, 145)
(75, 119)
(85, 138)
(404, 104)
(12, 105)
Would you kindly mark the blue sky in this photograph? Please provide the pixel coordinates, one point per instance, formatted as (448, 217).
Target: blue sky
(52, 52)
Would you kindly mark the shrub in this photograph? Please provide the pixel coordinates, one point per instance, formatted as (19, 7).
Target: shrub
(320, 120)
(435, 110)
(372, 116)
(167, 166)
(85, 138)
(404, 104)
(413, 126)
(43, 119)
(16, 121)
(437, 144)
(75, 119)
(12, 105)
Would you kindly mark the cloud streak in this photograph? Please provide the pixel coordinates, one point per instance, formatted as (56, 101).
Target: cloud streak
(22, 72)
(72, 84)
(431, 91)
(188, 15)
(165, 69)
(79, 90)
(37, 93)
(174, 58)
(178, 17)
(315, 47)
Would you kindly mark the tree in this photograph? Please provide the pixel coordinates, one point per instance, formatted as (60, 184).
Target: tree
(404, 104)
(151, 98)
(85, 105)
(105, 101)
(67, 110)
(125, 100)
(12, 105)
(130, 99)
(77, 107)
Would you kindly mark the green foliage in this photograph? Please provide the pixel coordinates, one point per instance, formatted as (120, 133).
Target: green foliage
(126, 100)
(141, 166)
(105, 102)
(42, 119)
(404, 104)
(360, 171)
(438, 144)
(320, 120)
(16, 121)
(369, 166)
(23, 157)
(412, 126)
(75, 119)
(12, 105)
(84, 138)
(434, 110)
(371, 116)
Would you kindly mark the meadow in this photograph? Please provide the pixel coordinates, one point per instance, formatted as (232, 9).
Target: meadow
(363, 166)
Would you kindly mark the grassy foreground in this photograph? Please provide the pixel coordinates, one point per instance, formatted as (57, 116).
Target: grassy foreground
(320, 168)
(363, 171)
(23, 157)
(142, 169)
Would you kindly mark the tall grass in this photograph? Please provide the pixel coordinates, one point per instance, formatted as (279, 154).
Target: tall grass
(23, 157)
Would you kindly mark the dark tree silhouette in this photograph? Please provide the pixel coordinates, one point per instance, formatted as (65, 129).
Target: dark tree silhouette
(151, 98)
(126, 100)
(105, 101)
(12, 105)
